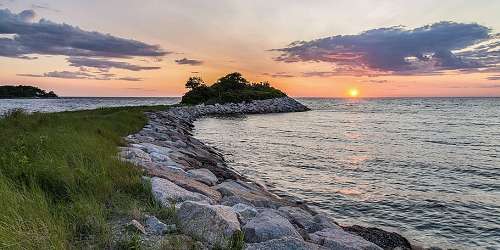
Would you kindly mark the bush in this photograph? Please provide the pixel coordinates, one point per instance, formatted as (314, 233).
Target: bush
(232, 88)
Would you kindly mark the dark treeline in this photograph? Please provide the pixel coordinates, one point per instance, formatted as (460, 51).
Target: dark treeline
(21, 91)
(230, 88)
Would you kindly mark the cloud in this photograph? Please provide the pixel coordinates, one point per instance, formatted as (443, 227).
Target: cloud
(105, 65)
(82, 75)
(192, 62)
(44, 7)
(131, 79)
(375, 81)
(48, 38)
(279, 75)
(64, 75)
(397, 50)
(494, 78)
(318, 74)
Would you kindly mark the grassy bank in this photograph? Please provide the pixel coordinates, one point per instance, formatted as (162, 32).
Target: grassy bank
(61, 184)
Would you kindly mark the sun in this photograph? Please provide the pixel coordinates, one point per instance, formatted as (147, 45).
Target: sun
(353, 92)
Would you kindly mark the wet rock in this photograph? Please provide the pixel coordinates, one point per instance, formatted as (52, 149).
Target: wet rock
(203, 175)
(245, 212)
(384, 239)
(211, 223)
(323, 221)
(285, 243)
(336, 238)
(136, 226)
(268, 225)
(157, 227)
(168, 193)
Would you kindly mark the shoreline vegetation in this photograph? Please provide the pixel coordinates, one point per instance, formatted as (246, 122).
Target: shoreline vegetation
(21, 91)
(136, 178)
(232, 88)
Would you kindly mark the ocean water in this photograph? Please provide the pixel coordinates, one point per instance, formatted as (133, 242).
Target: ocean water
(80, 103)
(426, 168)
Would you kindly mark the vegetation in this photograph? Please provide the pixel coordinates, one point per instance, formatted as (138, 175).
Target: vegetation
(230, 88)
(24, 92)
(61, 184)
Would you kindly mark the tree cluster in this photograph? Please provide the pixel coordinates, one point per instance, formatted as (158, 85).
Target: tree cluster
(21, 91)
(232, 88)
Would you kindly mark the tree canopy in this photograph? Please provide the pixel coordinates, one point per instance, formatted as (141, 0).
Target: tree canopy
(230, 88)
(20, 91)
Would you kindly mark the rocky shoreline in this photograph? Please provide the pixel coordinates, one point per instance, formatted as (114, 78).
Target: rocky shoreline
(216, 206)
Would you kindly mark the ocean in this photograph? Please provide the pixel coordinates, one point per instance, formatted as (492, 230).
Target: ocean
(80, 103)
(428, 168)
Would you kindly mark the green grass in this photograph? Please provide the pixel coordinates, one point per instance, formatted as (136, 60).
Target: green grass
(61, 183)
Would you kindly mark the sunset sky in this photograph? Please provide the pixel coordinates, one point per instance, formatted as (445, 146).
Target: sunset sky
(306, 48)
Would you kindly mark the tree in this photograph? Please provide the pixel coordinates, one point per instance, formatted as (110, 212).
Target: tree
(233, 81)
(194, 82)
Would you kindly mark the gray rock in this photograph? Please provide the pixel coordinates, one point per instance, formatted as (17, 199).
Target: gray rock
(285, 243)
(299, 217)
(242, 194)
(245, 212)
(167, 193)
(203, 175)
(338, 239)
(157, 227)
(213, 224)
(268, 225)
(323, 221)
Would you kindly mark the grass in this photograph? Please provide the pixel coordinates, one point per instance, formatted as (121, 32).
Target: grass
(61, 183)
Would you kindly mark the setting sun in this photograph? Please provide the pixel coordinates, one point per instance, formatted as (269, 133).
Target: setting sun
(353, 92)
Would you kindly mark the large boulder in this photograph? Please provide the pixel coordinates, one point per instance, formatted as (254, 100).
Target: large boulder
(234, 192)
(203, 175)
(214, 224)
(167, 193)
(338, 239)
(299, 217)
(245, 212)
(268, 225)
(134, 155)
(185, 182)
(285, 243)
(384, 239)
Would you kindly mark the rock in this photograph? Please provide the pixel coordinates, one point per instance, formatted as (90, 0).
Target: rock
(285, 243)
(268, 225)
(203, 175)
(168, 193)
(136, 227)
(323, 221)
(299, 217)
(211, 223)
(187, 183)
(338, 239)
(384, 239)
(244, 195)
(245, 212)
(157, 227)
(134, 155)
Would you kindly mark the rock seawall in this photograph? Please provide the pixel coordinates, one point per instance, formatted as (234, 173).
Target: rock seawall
(214, 203)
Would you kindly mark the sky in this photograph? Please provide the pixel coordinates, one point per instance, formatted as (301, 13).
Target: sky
(306, 48)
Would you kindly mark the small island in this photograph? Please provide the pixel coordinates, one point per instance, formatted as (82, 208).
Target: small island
(232, 88)
(21, 91)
